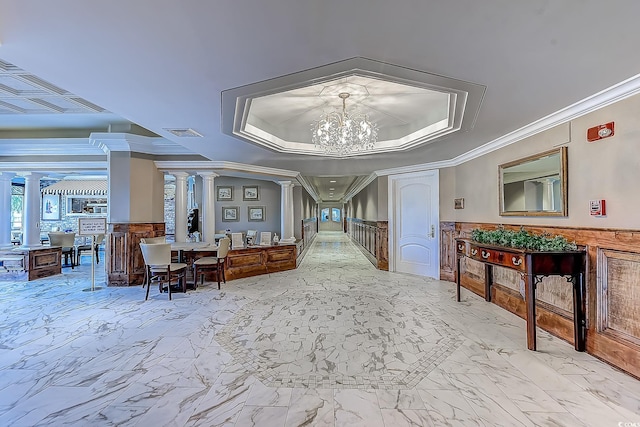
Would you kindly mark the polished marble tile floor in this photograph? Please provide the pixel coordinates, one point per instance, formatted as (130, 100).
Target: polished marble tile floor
(333, 343)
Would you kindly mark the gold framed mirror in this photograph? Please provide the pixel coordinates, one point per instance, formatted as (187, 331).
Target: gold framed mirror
(535, 185)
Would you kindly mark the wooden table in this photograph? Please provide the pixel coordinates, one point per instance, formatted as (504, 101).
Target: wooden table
(533, 266)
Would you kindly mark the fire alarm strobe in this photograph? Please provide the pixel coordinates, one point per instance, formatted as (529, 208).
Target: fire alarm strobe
(597, 208)
(599, 132)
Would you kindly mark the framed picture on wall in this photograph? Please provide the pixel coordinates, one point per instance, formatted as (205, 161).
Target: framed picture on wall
(230, 213)
(224, 193)
(250, 192)
(256, 213)
(50, 207)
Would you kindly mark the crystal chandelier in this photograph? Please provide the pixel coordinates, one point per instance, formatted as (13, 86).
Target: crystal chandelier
(341, 133)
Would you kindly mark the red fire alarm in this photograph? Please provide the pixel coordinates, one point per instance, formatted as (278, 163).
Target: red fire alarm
(597, 208)
(599, 132)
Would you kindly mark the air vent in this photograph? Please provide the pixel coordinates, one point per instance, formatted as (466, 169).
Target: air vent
(86, 104)
(184, 133)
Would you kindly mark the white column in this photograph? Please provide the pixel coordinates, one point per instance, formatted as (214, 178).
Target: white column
(286, 212)
(31, 209)
(5, 208)
(181, 206)
(208, 206)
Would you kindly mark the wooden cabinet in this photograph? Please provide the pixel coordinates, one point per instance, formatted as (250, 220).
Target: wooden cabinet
(256, 260)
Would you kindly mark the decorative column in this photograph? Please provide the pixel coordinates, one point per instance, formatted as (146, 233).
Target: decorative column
(286, 212)
(208, 206)
(181, 205)
(5, 208)
(31, 209)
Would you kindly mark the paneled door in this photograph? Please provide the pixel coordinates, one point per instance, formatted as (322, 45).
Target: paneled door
(413, 223)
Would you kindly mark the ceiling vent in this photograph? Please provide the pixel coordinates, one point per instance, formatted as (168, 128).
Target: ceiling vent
(184, 133)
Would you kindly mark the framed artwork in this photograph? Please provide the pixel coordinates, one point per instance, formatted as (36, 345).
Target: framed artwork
(458, 203)
(256, 213)
(224, 192)
(250, 192)
(230, 213)
(50, 207)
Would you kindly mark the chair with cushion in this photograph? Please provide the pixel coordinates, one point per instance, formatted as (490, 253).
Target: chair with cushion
(212, 263)
(160, 269)
(67, 242)
(87, 247)
(153, 240)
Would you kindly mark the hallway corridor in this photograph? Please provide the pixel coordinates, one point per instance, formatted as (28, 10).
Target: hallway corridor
(333, 343)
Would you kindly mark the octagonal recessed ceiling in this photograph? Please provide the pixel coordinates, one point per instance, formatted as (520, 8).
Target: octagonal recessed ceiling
(410, 107)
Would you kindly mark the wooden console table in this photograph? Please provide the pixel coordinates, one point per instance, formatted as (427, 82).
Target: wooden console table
(38, 261)
(533, 266)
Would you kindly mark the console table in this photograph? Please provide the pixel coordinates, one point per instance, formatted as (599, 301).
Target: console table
(533, 266)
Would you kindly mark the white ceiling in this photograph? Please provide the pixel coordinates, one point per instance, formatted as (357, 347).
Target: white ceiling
(164, 64)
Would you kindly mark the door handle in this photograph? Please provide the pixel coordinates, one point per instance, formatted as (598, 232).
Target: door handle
(433, 231)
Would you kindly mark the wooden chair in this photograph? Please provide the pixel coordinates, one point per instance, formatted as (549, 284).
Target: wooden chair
(67, 242)
(210, 263)
(159, 268)
(87, 247)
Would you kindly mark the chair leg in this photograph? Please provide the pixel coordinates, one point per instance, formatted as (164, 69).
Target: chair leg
(148, 280)
(169, 287)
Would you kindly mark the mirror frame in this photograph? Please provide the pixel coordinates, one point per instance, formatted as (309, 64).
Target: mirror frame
(562, 151)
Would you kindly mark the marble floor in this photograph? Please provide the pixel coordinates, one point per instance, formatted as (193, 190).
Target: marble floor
(333, 343)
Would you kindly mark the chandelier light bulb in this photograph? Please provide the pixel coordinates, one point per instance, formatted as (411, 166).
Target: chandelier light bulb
(342, 133)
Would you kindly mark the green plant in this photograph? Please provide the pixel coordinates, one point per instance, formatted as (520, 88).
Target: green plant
(522, 239)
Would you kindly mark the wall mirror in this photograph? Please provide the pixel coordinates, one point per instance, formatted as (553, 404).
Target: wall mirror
(535, 185)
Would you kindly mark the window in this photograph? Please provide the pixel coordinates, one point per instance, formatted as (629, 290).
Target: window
(86, 205)
(330, 214)
(324, 215)
(17, 199)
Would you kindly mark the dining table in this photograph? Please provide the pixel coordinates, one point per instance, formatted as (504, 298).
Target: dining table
(188, 252)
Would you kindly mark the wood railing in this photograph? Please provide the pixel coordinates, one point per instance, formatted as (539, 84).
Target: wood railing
(372, 238)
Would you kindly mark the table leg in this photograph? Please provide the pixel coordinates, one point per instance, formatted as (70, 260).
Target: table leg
(488, 280)
(530, 302)
(579, 313)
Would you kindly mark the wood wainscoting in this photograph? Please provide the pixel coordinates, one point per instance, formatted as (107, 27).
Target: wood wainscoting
(124, 262)
(612, 283)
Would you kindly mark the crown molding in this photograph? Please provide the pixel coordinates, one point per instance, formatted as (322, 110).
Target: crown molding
(129, 142)
(271, 174)
(67, 167)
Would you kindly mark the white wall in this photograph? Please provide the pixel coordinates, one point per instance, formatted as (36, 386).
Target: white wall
(607, 169)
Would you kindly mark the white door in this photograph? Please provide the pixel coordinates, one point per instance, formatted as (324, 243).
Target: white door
(414, 223)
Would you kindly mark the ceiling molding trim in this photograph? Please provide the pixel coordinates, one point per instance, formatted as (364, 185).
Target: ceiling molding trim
(358, 185)
(69, 167)
(273, 174)
(136, 144)
(40, 147)
(611, 95)
(606, 97)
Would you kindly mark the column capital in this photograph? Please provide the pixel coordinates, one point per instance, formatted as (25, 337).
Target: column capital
(31, 175)
(208, 174)
(180, 174)
(287, 183)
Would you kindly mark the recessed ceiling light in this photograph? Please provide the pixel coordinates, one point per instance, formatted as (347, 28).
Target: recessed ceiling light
(184, 133)
(332, 181)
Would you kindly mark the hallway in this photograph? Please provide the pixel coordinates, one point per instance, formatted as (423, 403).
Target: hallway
(334, 343)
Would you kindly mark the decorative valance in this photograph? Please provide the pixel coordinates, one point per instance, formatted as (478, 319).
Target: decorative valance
(78, 187)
